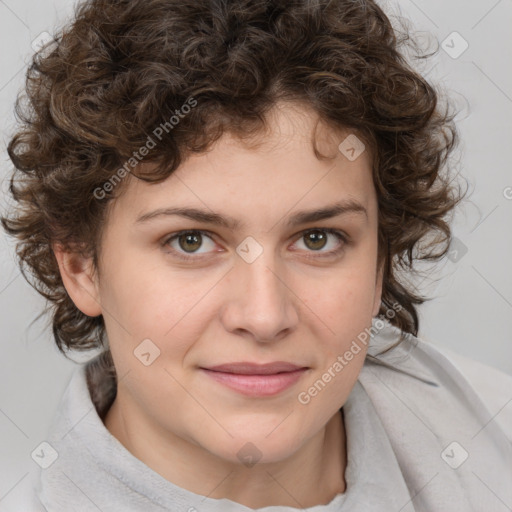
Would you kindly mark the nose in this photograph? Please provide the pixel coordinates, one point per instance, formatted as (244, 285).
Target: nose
(260, 304)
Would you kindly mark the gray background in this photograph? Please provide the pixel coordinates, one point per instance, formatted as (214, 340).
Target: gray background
(472, 306)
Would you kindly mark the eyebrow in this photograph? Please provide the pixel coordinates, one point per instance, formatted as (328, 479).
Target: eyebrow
(303, 217)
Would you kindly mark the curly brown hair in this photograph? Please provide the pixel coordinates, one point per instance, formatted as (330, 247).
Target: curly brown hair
(121, 67)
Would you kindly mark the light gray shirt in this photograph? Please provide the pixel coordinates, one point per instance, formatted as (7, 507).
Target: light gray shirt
(419, 438)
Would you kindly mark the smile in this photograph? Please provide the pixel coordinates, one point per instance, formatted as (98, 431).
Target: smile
(256, 380)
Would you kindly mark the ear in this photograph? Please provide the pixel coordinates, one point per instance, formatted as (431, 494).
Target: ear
(80, 280)
(378, 290)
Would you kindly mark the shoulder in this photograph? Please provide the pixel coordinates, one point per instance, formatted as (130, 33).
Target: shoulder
(493, 386)
(457, 380)
(28, 492)
(23, 496)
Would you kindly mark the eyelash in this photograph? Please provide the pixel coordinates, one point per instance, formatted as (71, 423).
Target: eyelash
(342, 236)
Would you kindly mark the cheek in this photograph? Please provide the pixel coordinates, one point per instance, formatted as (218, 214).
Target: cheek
(151, 296)
(344, 299)
(343, 314)
(172, 311)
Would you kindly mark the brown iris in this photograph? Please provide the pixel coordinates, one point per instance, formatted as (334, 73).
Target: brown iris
(317, 239)
(190, 238)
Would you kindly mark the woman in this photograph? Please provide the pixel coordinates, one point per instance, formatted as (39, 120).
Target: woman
(274, 364)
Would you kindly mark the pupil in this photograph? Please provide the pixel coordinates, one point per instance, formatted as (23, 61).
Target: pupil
(194, 238)
(317, 238)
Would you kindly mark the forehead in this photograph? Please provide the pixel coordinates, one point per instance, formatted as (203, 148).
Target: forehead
(266, 176)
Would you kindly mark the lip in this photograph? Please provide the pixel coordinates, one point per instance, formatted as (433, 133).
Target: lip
(253, 379)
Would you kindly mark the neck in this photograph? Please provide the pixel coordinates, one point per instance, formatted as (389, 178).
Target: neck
(313, 475)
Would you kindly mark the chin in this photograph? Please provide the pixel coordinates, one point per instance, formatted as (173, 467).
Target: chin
(259, 448)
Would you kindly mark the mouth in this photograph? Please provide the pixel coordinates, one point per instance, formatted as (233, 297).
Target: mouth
(252, 379)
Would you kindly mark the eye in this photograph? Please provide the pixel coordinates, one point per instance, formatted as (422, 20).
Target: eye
(185, 245)
(189, 242)
(317, 239)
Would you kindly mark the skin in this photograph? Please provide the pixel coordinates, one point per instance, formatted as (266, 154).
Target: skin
(290, 304)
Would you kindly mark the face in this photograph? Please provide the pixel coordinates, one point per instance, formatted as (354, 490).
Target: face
(263, 285)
